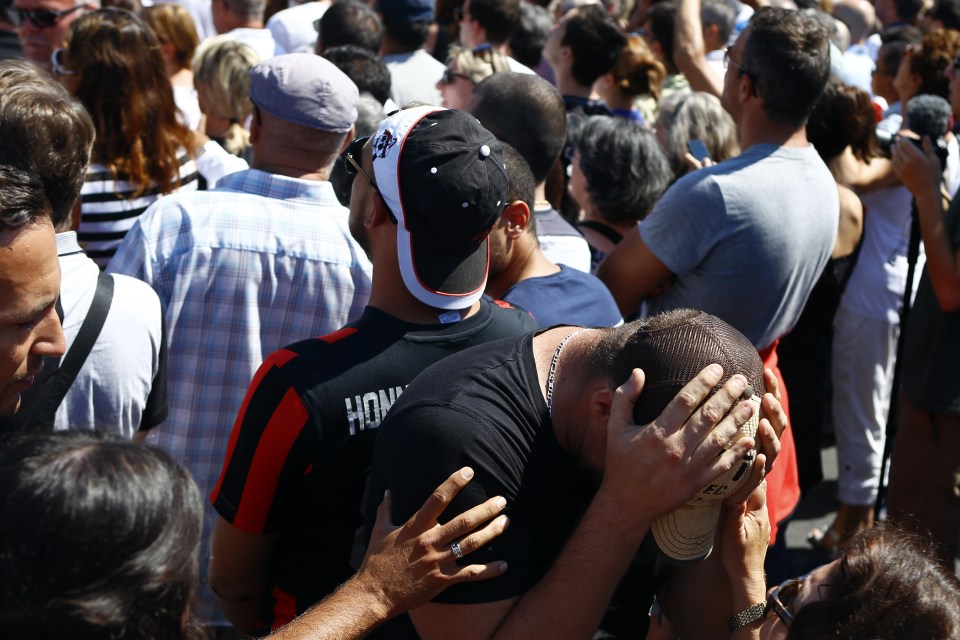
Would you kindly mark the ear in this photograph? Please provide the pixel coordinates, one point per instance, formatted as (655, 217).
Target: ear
(604, 82)
(348, 139)
(600, 402)
(745, 87)
(515, 217)
(254, 128)
(167, 50)
(379, 213)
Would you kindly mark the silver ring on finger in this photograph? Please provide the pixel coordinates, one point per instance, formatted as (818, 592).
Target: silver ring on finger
(455, 548)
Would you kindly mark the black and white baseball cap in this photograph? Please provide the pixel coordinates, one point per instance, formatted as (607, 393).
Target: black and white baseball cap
(443, 177)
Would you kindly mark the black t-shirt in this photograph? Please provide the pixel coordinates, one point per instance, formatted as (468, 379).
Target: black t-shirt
(301, 448)
(483, 407)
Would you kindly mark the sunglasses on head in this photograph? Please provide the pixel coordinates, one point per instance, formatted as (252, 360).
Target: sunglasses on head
(40, 18)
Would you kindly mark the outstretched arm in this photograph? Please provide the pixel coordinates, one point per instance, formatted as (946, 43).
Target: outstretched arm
(689, 50)
(405, 566)
(920, 172)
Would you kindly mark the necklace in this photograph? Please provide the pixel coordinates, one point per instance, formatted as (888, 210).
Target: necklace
(553, 370)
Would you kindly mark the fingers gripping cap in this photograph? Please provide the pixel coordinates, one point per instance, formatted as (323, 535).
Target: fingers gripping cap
(671, 356)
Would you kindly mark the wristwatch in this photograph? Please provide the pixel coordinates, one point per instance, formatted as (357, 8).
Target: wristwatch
(747, 616)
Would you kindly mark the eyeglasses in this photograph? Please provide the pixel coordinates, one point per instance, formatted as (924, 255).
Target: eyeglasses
(727, 61)
(40, 18)
(449, 77)
(56, 66)
(781, 599)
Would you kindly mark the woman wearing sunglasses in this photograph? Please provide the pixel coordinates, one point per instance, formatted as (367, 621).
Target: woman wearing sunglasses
(466, 68)
(885, 585)
(112, 63)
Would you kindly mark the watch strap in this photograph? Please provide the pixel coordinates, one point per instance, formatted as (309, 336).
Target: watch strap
(747, 616)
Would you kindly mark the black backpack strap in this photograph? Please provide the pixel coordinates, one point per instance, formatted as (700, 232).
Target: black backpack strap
(77, 355)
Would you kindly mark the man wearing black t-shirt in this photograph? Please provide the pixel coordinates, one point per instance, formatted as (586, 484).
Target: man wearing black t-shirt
(289, 496)
(542, 422)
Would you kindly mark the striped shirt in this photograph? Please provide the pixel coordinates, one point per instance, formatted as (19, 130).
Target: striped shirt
(108, 207)
(261, 261)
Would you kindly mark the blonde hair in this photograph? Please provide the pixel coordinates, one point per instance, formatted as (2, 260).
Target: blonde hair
(173, 25)
(221, 75)
(478, 65)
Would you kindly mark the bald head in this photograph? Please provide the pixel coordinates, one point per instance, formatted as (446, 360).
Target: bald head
(858, 15)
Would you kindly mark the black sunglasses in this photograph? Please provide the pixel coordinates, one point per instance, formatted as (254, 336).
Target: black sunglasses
(449, 77)
(40, 18)
(352, 156)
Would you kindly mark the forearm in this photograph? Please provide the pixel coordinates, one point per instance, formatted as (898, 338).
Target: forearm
(689, 51)
(941, 255)
(570, 600)
(243, 610)
(351, 611)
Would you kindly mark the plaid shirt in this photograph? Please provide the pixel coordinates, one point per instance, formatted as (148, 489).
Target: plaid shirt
(241, 271)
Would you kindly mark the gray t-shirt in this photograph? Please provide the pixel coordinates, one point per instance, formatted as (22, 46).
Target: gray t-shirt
(747, 238)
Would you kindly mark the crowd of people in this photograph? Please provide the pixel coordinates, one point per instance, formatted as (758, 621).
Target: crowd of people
(571, 289)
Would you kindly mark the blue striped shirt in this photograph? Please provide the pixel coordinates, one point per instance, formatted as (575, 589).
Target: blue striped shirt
(241, 271)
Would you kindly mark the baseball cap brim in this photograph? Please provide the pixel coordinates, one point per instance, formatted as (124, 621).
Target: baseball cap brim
(439, 278)
(686, 534)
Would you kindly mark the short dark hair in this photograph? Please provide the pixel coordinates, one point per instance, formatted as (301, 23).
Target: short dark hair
(531, 34)
(625, 169)
(908, 10)
(520, 183)
(787, 56)
(410, 34)
(365, 68)
(595, 40)
(661, 17)
(887, 584)
(23, 200)
(894, 46)
(45, 131)
(525, 111)
(99, 538)
(842, 117)
(350, 22)
(721, 14)
(500, 18)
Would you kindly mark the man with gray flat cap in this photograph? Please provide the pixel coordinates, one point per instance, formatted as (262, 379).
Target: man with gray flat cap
(264, 259)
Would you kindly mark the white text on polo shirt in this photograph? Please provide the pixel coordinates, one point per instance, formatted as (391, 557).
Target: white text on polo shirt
(368, 411)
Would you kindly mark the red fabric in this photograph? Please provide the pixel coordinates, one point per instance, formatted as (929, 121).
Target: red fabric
(783, 482)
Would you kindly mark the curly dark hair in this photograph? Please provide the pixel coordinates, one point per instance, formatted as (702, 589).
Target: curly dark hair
(931, 60)
(842, 117)
(887, 585)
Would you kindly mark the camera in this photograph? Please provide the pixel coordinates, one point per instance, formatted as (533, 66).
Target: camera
(887, 139)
